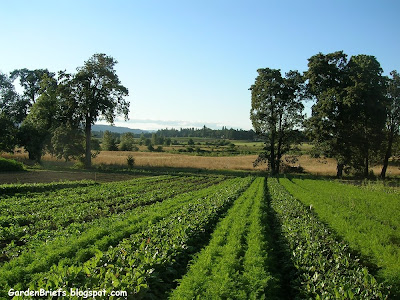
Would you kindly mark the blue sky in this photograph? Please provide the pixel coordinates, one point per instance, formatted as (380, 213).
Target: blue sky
(190, 63)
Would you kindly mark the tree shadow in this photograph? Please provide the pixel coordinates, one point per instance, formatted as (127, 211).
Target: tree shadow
(280, 263)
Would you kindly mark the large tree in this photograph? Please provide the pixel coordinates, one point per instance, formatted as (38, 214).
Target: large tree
(98, 93)
(329, 126)
(366, 95)
(393, 117)
(276, 110)
(30, 81)
(36, 129)
(9, 114)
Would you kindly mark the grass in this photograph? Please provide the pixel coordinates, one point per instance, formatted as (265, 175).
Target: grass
(153, 161)
(366, 216)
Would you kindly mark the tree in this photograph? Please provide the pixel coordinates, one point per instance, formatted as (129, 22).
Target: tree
(36, 129)
(276, 110)
(329, 126)
(9, 115)
(108, 142)
(98, 93)
(366, 95)
(68, 142)
(127, 142)
(393, 117)
(30, 81)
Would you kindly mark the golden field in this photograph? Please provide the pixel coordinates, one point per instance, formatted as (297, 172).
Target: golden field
(317, 166)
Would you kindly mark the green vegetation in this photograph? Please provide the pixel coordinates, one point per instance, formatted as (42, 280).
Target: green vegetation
(207, 236)
(235, 263)
(10, 165)
(324, 267)
(367, 217)
(78, 226)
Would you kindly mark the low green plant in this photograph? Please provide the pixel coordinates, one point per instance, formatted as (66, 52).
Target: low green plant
(7, 165)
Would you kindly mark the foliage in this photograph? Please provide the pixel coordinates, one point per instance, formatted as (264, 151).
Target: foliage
(234, 265)
(68, 143)
(325, 268)
(276, 111)
(98, 93)
(83, 248)
(329, 126)
(349, 113)
(130, 161)
(108, 142)
(10, 165)
(367, 218)
(392, 130)
(9, 114)
(127, 142)
(30, 80)
(366, 95)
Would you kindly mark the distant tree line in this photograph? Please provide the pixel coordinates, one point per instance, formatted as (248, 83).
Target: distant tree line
(355, 116)
(204, 132)
(55, 112)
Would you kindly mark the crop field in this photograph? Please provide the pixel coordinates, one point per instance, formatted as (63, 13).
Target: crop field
(199, 237)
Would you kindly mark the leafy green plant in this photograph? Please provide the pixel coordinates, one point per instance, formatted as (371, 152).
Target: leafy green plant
(7, 165)
(325, 268)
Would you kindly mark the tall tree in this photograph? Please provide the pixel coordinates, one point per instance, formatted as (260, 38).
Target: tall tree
(366, 95)
(98, 93)
(30, 81)
(393, 117)
(127, 141)
(36, 129)
(9, 114)
(276, 110)
(108, 142)
(330, 123)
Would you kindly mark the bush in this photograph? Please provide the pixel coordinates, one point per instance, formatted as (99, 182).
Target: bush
(10, 165)
(130, 161)
(285, 168)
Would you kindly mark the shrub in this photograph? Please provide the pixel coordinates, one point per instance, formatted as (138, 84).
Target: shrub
(130, 161)
(10, 165)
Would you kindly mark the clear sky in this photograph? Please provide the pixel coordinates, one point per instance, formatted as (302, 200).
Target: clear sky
(191, 63)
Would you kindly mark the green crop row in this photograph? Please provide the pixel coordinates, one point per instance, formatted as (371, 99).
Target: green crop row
(167, 228)
(16, 188)
(235, 263)
(368, 218)
(325, 267)
(50, 213)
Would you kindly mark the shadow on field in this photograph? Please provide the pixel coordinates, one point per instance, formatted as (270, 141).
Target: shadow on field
(279, 263)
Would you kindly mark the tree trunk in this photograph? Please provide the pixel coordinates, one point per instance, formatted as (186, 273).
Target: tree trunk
(339, 170)
(366, 169)
(388, 153)
(88, 154)
(280, 138)
(272, 153)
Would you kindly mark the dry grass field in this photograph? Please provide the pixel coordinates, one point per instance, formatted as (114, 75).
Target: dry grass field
(315, 166)
(162, 159)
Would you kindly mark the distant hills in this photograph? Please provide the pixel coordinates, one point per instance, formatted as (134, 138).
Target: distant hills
(117, 129)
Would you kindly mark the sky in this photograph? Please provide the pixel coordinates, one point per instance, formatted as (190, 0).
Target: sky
(191, 63)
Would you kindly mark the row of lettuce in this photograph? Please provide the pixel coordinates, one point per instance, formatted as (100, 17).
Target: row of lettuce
(181, 237)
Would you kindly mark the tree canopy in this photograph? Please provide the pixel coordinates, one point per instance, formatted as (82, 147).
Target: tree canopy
(276, 110)
(98, 93)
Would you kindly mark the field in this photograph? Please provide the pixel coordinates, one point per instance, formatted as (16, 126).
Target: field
(208, 236)
(143, 159)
